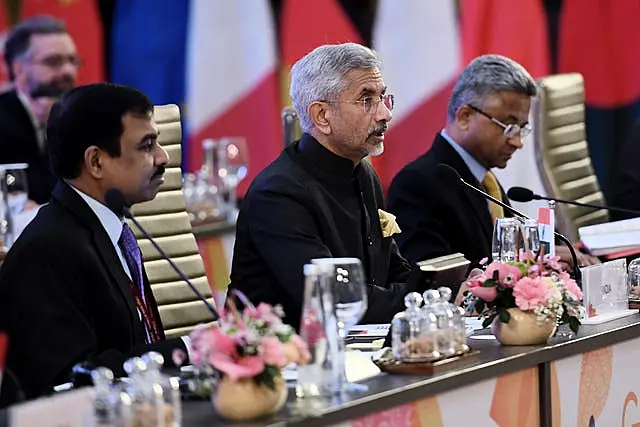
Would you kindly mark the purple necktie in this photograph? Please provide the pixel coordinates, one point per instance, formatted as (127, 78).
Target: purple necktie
(131, 251)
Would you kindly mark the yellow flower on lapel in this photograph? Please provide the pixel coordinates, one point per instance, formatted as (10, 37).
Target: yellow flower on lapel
(388, 223)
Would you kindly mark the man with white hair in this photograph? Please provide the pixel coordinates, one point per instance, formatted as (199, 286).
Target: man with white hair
(319, 199)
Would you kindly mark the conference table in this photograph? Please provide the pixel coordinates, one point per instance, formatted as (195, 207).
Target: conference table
(591, 379)
(588, 380)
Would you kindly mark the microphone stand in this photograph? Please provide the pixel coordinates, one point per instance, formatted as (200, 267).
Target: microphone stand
(586, 205)
(128, 214)
(574, 257)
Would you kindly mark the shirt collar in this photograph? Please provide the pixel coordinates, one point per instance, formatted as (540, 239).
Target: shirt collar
(477, 170)
(109, 220)
(314, 154)
(37, 126)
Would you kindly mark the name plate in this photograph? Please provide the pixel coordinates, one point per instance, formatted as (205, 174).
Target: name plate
(69, 409)
(606, 295)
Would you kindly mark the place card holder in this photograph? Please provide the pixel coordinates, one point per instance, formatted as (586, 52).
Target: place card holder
(606, 294)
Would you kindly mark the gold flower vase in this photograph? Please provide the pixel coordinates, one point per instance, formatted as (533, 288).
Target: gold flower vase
(522, 329)
(244, 400)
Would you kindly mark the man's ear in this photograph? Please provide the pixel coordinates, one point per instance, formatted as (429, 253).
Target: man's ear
(463, 116)
(93, 161)
(320, 113)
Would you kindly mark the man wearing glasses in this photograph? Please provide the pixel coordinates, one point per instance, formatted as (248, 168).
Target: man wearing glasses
(42, 62)
(487, 122)
(319, 199)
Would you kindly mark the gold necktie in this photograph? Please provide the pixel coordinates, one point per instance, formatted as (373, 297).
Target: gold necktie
(491, 184)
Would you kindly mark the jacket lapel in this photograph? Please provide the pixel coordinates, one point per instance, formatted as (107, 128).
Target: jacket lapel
(103, 245)
(480, 209)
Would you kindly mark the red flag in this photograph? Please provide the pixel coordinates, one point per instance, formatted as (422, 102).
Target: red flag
(419, 45)
(594, 39)
(82, 18)
(4, 29)
(502, 27)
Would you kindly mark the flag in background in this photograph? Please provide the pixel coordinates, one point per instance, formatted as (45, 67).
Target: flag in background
(495, 26)
(148, 50)
(593, 40)
(420, 50)
(232, 83)
(84, 24)
(299, 36)
(4, 29)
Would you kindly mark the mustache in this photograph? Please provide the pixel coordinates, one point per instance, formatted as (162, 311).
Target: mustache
(380, 127)
(53, 89)
(159, 172)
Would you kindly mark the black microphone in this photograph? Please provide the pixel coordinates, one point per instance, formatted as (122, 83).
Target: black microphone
(448, 173)
(523, 195)
(115, 200)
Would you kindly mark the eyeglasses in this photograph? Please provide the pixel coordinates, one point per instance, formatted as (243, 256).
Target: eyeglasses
(371, 103)
(511, 130)
(58, 61)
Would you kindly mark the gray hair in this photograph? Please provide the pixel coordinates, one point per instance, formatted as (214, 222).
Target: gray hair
(319, 75)
(489, 74)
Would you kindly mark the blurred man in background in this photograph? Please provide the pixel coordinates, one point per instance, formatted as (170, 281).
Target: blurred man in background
(42, 61)
(319, 199)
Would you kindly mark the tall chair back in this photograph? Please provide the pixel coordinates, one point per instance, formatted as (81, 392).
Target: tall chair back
(167, 221)
(562, 153)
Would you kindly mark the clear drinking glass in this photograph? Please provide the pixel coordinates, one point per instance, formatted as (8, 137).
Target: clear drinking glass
(347, 282)
(505, 243)
(633, 280)
(531, 235)
(233, 161)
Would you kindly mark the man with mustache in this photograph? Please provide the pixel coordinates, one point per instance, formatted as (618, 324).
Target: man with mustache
(42, 62)
(487, 121)
(320, 198)
(73, 287)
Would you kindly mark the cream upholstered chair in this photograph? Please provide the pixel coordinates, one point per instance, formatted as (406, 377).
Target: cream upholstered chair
(167, 220)
(562, 153)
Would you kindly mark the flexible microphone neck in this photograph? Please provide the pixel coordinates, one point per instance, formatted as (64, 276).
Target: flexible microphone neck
(523, 195)
(116, 201)
(450, 173)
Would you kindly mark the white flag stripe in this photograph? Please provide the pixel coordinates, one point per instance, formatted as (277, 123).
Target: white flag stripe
(231, 49)
(419, 45)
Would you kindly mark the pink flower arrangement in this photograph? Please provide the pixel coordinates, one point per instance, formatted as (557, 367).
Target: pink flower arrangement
(532, 283)
(252, 344)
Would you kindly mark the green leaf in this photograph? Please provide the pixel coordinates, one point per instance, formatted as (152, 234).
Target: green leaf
(488, 320)
(574, 324)
(480, 306)
(504, 316)
(267, 376)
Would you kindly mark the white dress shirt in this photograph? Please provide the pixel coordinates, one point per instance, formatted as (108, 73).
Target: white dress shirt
(113, 226)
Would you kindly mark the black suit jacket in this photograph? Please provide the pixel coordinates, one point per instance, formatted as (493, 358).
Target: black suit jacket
(438, 217)
(19, 144)
(310, 203)
(625, 191)
(65, 299)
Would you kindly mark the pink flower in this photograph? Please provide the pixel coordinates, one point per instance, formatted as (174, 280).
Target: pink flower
(483, 261)
(508, 275)
(272, 352)
(303, 349)
(476, 278)
(486, 294)
(246, 367)
(217, 342)
(531, 293)
(178, 356)
(573, 290)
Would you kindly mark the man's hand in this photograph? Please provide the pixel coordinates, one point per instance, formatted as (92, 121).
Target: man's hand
(567, 262)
